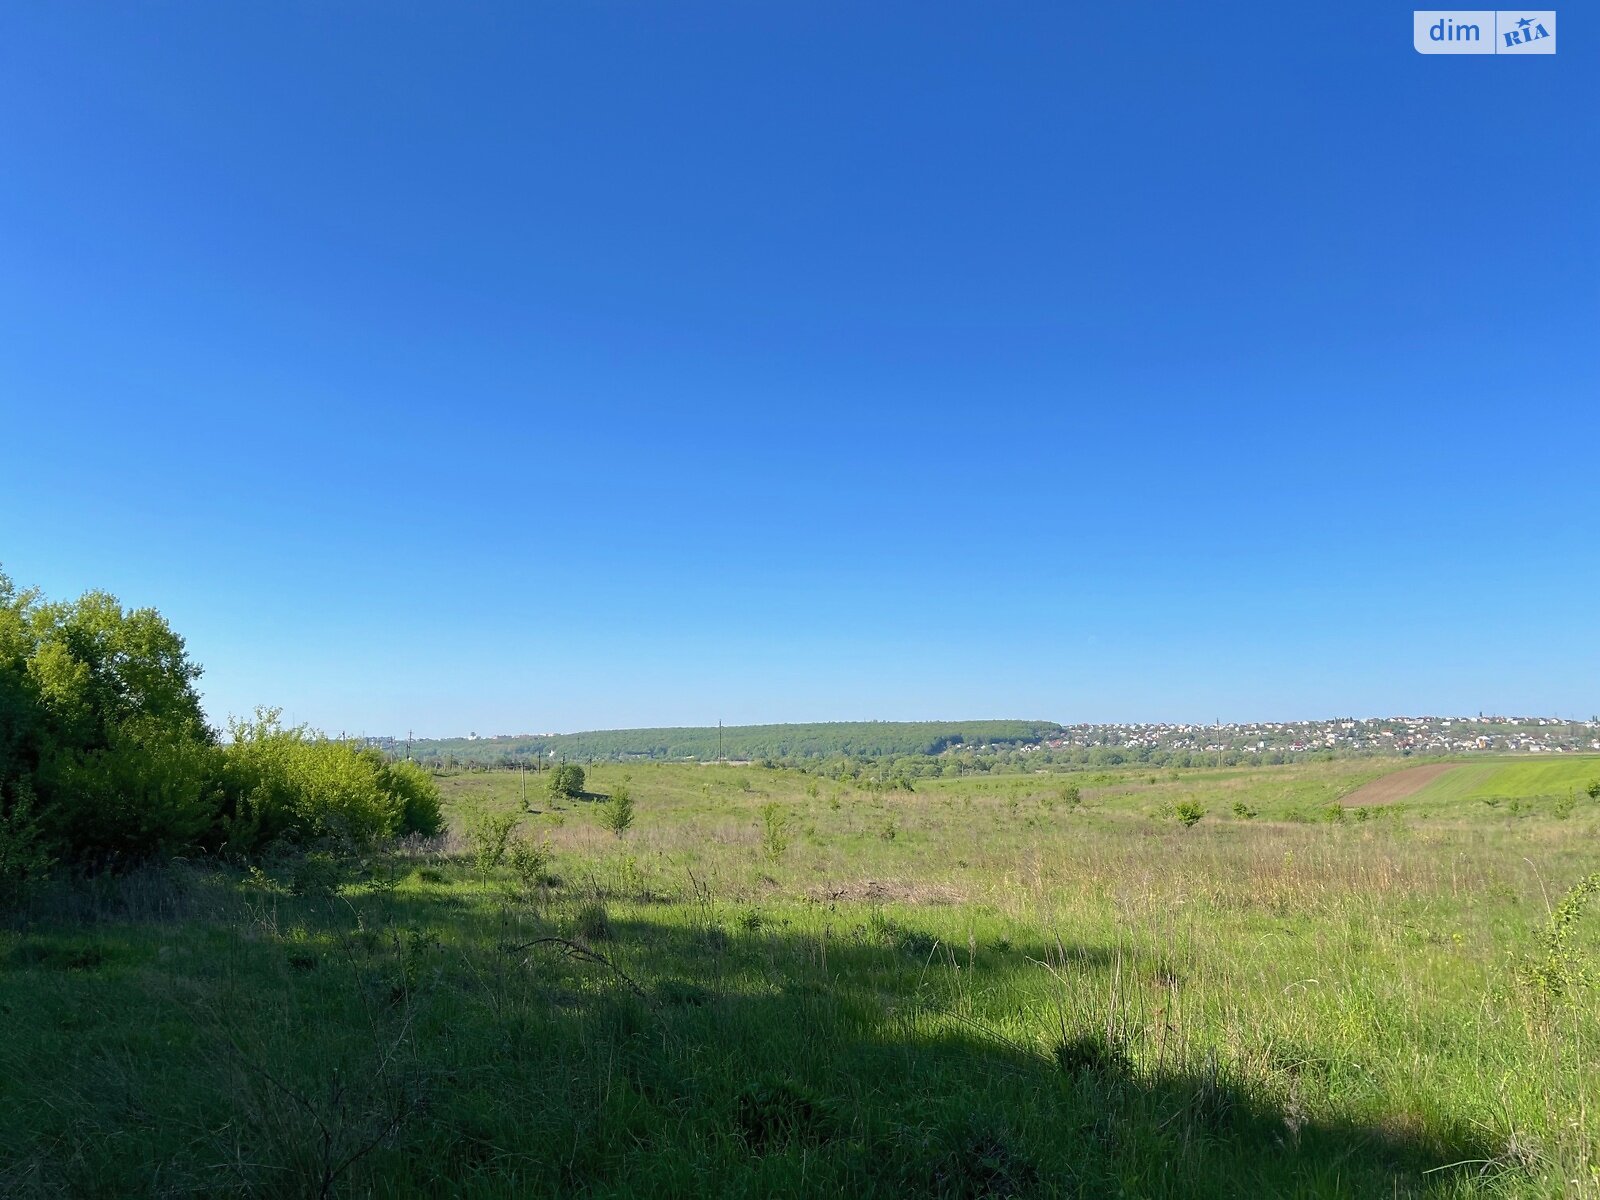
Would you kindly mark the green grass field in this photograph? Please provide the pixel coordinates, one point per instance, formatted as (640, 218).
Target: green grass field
(1544, 778)
(774, 984)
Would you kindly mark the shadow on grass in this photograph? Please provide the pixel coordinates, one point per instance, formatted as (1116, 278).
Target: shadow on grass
(842, 1053)
(454, 1049)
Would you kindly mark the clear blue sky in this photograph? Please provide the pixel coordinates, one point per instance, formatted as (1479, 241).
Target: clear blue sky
(527, 366)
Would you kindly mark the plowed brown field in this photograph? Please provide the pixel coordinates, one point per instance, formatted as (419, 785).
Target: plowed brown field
(1395, 786)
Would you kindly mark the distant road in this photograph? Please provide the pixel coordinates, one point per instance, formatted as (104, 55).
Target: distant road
(1397, 785)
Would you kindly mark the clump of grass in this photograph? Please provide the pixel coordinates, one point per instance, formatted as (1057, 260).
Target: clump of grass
(412, 949)
(318, 875)
(985, 1163)
(57, 957)
(1095, 1054)
(914, 942)
(593, 922)
(774, 1114)
(713, 940)
(681, 994)
(1243, 811)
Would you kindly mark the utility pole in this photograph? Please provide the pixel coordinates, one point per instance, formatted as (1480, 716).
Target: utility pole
(408, 745)
(719, 741)
(523, 776)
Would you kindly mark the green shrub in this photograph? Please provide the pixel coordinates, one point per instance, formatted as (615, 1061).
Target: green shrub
(1562, 969)
(149, 791)
(490, 837)
(24, 861)
(281, 784)
(531, 861)
(1188, 813)
(318, 875)
(616, 814)
(566, 781)
(105, 752)
(775, 823)
(418, 794)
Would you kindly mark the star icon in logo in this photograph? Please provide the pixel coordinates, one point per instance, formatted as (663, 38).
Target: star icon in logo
(1525, 22)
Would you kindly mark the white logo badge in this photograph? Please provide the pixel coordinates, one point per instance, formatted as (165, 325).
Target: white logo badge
(1484, 31)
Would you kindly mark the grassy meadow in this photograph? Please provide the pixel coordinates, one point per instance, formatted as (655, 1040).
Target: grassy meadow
(1162, 983)
(1543, 779)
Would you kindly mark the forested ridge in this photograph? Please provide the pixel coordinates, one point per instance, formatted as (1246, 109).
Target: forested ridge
(825, 739)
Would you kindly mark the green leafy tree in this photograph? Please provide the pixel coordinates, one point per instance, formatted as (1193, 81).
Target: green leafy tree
(617, 812)
(101, 729)
(566, 781)
(106, 758)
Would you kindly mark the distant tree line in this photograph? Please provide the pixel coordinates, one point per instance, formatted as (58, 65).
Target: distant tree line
(787, 743)
(958, 760)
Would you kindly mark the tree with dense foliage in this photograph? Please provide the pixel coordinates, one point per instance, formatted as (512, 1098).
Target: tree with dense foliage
(106, 757)
(101, 733)
(616, 814)
(566, 781)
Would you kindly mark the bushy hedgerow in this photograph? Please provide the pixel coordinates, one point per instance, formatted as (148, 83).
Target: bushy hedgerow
(106, 757)
(290, 784)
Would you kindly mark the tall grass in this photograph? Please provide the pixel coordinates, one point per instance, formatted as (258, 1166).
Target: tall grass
(1002, 1000)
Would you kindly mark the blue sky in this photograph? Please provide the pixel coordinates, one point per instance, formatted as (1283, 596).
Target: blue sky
(518, 367)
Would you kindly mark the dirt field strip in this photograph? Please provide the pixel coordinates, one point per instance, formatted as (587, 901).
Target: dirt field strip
(1395, 786)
